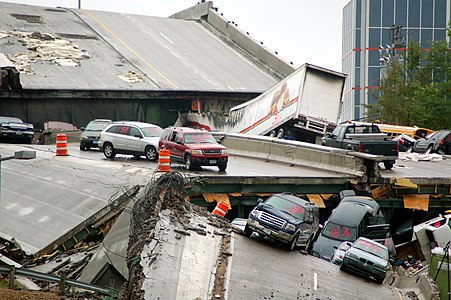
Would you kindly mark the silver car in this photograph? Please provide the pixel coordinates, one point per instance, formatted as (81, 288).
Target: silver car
(132, 138)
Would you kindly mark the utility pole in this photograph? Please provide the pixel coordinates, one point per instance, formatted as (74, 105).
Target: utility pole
(79, 4)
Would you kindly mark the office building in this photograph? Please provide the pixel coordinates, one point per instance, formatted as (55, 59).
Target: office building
(368, 26)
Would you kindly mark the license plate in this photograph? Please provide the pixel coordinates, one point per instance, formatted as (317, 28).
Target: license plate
(212, 161)
(19, 132)
(267, 231)
(95, 142)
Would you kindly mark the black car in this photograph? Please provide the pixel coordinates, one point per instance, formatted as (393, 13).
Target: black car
(13, 129)
(405, 142)
(91, 133)
(285, 218)
(349, 221)
(436, 142)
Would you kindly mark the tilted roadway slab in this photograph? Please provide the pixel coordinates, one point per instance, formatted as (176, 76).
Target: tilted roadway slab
(43, 198)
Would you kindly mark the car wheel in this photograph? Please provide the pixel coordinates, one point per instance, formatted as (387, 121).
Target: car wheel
(82, 148)
(188, 164)
(293, 244)
(388, 165)
(222, 168)
(380, 280)
(108, 151)
(428, 150)
(343, 267)
(409, 150)
(151, 153)
(248, 231)
(88, 148)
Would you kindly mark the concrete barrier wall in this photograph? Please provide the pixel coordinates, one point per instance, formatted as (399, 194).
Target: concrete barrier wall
(293, 152)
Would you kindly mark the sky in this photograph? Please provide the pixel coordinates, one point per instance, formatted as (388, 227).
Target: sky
(300, 31)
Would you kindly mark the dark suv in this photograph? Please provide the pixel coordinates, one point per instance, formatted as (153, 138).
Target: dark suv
(285, 218)
(193, 147)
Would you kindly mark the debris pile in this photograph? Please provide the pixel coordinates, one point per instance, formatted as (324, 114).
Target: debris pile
(44, 47)
(165, 198)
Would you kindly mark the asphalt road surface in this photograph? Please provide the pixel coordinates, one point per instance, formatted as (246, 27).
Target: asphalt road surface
(262, 270)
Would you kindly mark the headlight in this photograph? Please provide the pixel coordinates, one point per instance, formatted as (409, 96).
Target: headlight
(224, 151)
(84, 136)
(198, 152)
(290, 227)
(352, 255)
(255, 213)
(387, 267)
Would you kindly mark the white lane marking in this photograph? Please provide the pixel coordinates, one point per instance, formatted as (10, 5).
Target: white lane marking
(315, 281)
(168, 39)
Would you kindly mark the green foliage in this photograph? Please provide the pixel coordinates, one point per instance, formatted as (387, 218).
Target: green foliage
(416, 89)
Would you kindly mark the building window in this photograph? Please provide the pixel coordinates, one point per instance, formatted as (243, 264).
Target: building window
(373, 76)
(426, 38)
(414, 13)
(413, 34)
(439, 34)
(426, 13)
(440, 15)
(401, 13)
(375, 13)
(388, 12)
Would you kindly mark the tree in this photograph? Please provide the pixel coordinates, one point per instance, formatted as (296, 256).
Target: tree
(416, 89)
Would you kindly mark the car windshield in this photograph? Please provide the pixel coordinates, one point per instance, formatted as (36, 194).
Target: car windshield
(152, 131)
(199, 138)
(372, 248)
(287, 206)
(96, 125)
(340, 232)
(10, 119)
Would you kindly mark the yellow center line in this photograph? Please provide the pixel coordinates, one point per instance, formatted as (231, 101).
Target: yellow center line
(131, 50)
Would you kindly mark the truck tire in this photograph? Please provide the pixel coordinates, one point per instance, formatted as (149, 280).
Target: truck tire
(248, 231)
(293, 244)
(188, 162)
(388, 165)
(272, 133)
(222, 167)
(280, 133)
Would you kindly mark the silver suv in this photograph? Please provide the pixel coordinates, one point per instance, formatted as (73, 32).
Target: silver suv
(133, 138)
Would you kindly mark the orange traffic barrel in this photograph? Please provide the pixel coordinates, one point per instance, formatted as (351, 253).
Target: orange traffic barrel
(164, 161)
(221, 209)
(61, 144)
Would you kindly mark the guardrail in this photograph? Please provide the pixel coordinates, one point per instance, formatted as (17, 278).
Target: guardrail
(12, 271)
(297, 153)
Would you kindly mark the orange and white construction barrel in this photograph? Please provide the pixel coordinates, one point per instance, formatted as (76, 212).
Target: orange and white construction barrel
(164, 161)
(221, 209)
(61, 144)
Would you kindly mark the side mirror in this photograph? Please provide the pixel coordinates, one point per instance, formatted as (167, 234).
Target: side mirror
(335, 247)
(260, 200)
(82, 128)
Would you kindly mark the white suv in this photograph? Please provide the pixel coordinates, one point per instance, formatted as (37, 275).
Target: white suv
(133, 138)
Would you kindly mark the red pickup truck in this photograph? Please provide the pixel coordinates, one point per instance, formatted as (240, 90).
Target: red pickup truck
(193, 148)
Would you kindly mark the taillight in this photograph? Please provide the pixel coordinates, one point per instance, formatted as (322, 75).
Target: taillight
(397, 147)
(360, 147)
(401, 141)
(441, 143)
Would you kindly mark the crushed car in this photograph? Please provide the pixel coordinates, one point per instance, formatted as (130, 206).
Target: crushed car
(15, 130)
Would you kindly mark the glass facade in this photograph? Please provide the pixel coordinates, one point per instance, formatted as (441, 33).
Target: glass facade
(367, 26)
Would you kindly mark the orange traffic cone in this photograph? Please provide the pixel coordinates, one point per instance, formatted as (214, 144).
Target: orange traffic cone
(61, 144)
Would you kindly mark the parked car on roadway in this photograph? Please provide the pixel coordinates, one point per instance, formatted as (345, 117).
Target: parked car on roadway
(90, 135)
(13, 129)
(339, 253)
(349, 221)
(436, 142)
(405, 142)
(285, 218)
(194, 148)
(133, 138)
(368, 258)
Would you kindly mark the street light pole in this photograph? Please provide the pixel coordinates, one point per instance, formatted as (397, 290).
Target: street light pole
(17, 155)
